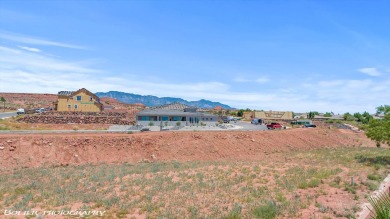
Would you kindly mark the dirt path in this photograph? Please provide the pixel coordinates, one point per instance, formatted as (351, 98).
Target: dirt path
(35, 150)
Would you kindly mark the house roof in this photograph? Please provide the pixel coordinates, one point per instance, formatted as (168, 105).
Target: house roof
(164, 112)
(173, 106)
(65, 93)
(69, 93)
(339, 117)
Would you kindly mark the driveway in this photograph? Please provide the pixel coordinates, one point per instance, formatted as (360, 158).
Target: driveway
(7, 115)
(249, 126)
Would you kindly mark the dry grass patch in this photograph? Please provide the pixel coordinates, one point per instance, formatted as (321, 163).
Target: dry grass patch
(310, 182)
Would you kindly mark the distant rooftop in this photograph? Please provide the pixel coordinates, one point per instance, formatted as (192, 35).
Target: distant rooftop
(167, 112)
(65, 93)
(339, 117)
(173, 106)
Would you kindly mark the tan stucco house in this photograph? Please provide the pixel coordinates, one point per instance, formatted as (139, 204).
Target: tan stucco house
(81, 100)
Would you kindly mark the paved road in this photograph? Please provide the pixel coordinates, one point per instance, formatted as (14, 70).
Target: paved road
(6, 115)
(249, 126)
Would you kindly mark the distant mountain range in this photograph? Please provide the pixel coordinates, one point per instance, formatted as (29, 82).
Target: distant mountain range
(157, 101)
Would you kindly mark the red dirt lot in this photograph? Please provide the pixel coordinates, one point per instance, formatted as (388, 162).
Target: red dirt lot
(116, 104)
(28, 100)
(36, 150)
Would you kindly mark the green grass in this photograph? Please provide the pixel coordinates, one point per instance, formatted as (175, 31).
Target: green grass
(268, 210)
(374, 176)
(380, 206)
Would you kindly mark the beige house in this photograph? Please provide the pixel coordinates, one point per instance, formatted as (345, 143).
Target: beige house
(81, 100)
(269, 115)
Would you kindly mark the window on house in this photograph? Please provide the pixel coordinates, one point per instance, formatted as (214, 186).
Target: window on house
(76, 106)
(177, 118)
(69, 106)
(90, 98)
(78, 98)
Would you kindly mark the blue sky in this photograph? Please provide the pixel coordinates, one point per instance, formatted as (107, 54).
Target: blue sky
(270, 55)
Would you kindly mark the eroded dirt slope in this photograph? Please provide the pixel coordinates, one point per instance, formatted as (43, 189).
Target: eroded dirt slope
(34, 150)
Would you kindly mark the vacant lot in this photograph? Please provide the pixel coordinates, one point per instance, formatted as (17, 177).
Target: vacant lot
(314, 184)
(35, 150)
(302, 173)
(12, 124)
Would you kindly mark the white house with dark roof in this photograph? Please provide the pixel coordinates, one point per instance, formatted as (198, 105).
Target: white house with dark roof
(169, 117)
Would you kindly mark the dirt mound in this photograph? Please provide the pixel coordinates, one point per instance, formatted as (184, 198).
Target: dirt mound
(113, 103)
(34, 150)
(28, 100)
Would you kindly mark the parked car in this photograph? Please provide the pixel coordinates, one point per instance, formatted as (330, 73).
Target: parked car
(41, 110)
(145, 129)
(310, 126)
(257, 121)
(20, 111)
(227, 119)
(274, 125)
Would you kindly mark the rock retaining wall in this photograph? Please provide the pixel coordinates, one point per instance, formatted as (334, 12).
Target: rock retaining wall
(79, 118)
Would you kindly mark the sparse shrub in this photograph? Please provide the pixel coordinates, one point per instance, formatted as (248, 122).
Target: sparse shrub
(337, 180)
(268, 210)
(194, 211)
(303, 185)
(313, 183)
(151, 124)
(121, 213)
(374, 176)
(321, 208)
(371, 185)
(178, 123)
(381, 206)
(235, 213)
(280, 197)
(350, 188)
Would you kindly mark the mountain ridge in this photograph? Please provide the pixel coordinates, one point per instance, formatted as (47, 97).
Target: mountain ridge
(151, 101)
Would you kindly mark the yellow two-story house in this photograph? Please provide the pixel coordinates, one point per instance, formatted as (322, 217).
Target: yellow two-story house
(81, 100)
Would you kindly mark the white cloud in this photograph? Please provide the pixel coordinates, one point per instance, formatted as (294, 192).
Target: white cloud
(35, 41)
(30, 49)
(374, 72)
(34, 62)
(262, 80)
(24, 71)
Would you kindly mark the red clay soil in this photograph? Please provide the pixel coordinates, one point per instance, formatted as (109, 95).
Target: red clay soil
(117, 105)
(28, 100)
(35, 150)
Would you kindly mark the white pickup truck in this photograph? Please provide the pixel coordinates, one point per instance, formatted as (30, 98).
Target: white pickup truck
(20, 111)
